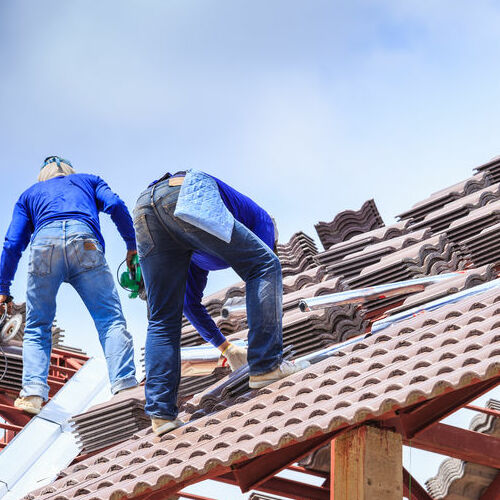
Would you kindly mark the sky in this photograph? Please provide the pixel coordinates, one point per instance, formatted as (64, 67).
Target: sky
(309, 107)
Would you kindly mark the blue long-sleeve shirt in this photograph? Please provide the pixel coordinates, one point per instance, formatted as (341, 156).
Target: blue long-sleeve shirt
(254, 218)
(78, 197)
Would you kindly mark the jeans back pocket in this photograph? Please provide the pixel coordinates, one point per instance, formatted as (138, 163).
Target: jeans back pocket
(40, 263)
(89, 253)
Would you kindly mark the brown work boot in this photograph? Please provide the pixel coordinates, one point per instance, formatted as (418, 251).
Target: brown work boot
(30, 404)
(236, 356)
(162, 426)
(284, 370)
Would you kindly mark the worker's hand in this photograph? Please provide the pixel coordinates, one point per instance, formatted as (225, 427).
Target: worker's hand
(130, 256)
(5, 303)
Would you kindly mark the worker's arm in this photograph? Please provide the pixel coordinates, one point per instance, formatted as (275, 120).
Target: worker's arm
(16, 241)
(110, 203)
(195, 311)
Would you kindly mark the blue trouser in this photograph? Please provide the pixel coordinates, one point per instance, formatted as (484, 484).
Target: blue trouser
(165, 245)
(68, 251)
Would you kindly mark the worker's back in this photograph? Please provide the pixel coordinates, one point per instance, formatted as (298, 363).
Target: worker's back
(73, 197)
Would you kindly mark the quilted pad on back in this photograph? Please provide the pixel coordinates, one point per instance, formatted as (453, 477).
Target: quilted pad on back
(201, 205)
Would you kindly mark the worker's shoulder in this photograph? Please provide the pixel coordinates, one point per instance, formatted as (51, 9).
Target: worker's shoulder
(80, 176)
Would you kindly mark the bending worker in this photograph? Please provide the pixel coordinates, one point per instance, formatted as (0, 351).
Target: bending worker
(186, 225)
(61, 215)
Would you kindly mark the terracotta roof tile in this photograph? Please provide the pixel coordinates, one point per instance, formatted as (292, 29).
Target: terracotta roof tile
(348, 224)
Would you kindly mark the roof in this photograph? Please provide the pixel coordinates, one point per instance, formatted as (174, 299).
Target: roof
(368, 379)
(420, 359)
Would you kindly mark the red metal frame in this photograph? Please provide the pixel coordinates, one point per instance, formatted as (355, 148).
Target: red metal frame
(63, 365)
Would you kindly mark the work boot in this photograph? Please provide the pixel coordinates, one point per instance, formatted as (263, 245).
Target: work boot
(236, 356)
(30, 404)
(162, 426)
(284, 370)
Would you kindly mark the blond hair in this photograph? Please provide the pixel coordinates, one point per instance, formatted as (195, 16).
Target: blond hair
(52, 170)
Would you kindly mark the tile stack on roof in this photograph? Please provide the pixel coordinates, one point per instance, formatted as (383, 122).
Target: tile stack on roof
(471, 225)
(356, 244)
(440, 198)
(435, 255)
(352, 264)
(492, 168)
(11, 366)
(298, 254)
(439, 220)
(348, 224)
(441, 350)
(484, 247)
(111, 422)
(459, 480)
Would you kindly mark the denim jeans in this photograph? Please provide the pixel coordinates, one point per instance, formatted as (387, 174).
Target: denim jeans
(68, 251)
(165, 245)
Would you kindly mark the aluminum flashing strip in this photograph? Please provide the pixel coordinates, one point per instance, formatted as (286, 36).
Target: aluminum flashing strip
(46, 445)
(435, 304)
(369, 293)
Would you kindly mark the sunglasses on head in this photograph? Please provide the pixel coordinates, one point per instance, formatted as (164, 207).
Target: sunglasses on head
(57, 160)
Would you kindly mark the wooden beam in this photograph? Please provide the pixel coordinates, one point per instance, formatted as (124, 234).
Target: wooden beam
(412, 488)
(470, 446)
(493, 490)
(368, 465)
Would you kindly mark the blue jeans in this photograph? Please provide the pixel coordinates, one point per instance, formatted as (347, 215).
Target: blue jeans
(68, 251)
(165, 245)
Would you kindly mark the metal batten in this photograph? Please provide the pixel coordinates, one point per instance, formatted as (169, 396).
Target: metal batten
(370, 293)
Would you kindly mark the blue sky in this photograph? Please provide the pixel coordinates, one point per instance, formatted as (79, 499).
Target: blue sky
(310, 107)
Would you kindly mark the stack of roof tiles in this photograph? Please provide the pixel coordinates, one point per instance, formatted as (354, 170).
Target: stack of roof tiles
(492, 168)
(441, 219)
(348, 224)
(356, 244)
(441, 198)
(111, 422)
(459, 480)
(298, 254)
(435, 255)
(11, 366)
(419, 356)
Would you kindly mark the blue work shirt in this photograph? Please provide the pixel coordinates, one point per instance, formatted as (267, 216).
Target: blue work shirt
(254, 218)
(73, 197)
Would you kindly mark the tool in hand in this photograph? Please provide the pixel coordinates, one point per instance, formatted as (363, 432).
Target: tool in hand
(131, 279)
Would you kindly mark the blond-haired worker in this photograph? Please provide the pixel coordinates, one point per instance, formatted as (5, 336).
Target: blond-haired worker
(60, 214)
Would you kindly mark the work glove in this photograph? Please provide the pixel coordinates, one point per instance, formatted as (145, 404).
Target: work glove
(236, 356)
(5, 303)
